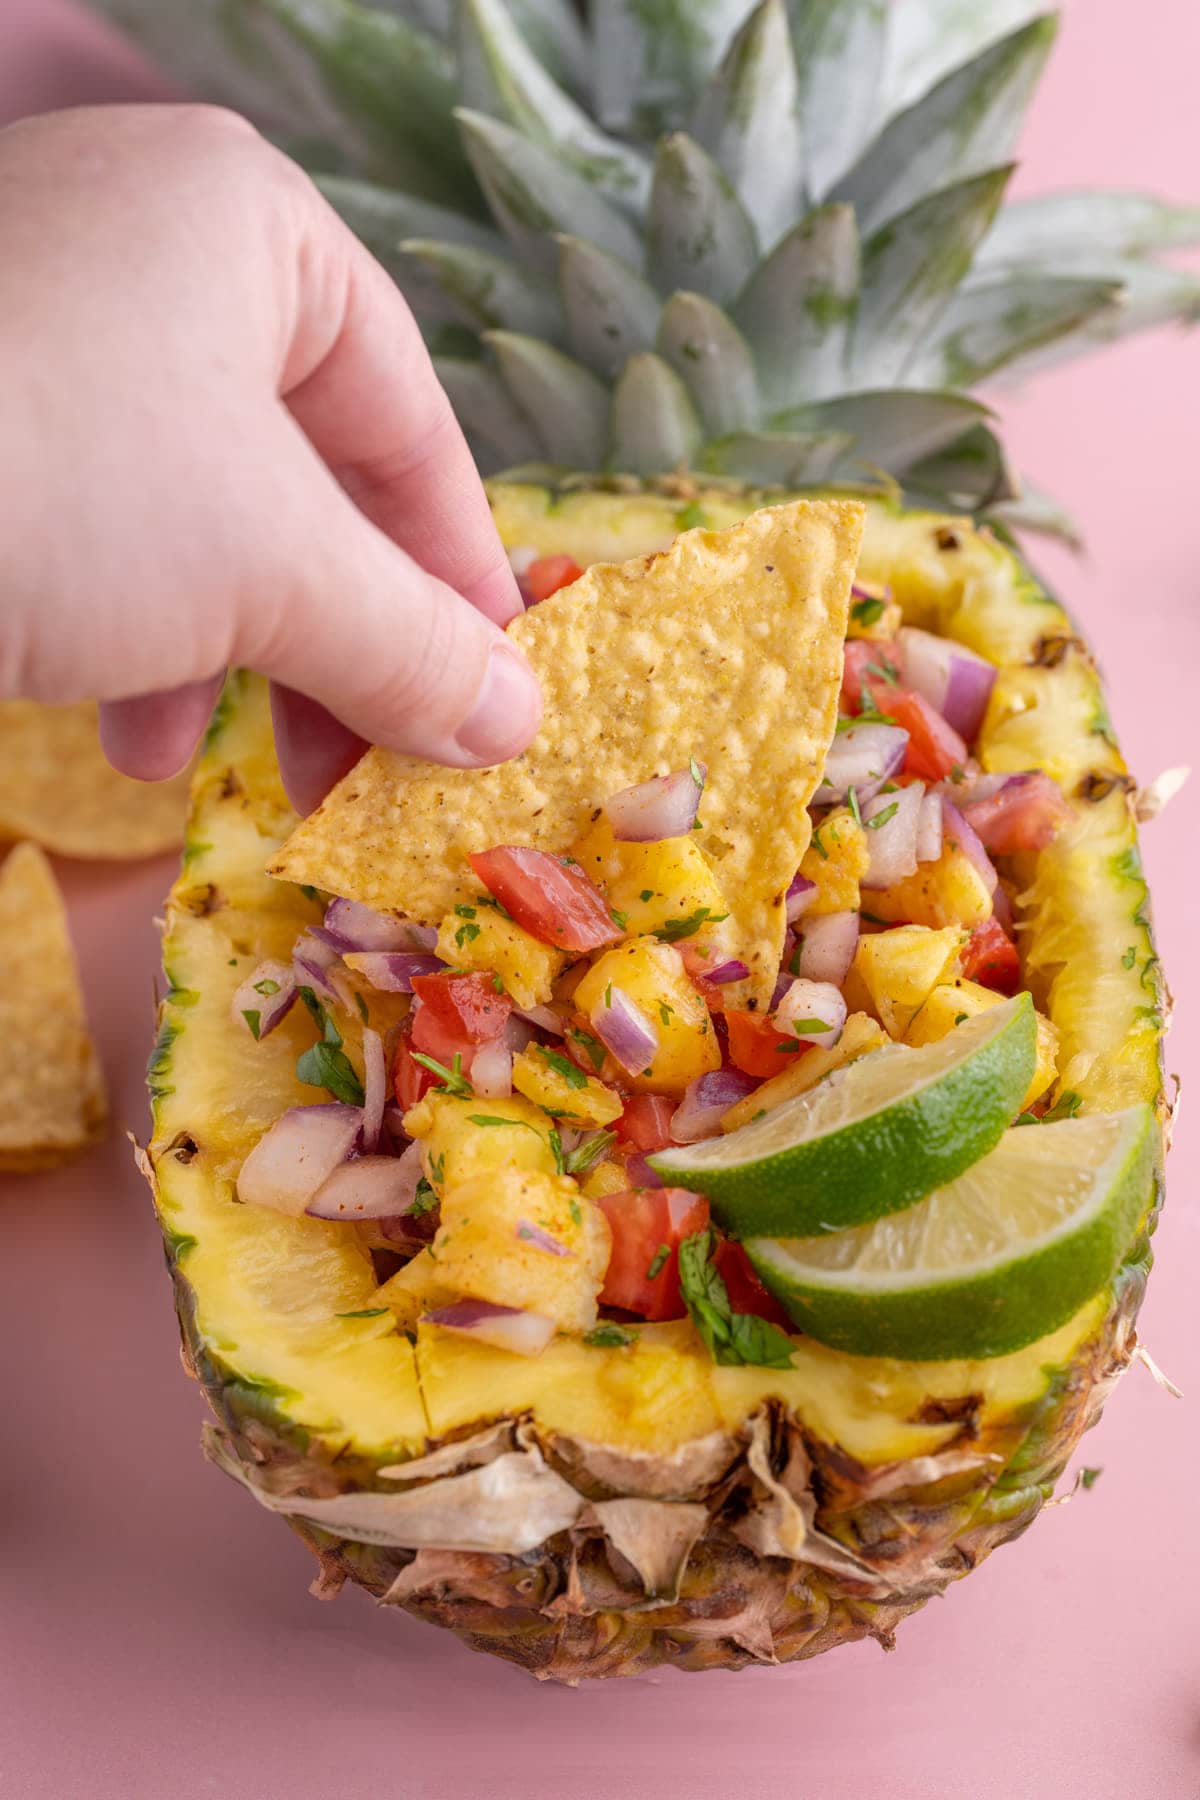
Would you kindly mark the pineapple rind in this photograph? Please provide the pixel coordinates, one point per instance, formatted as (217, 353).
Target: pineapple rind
(921, 1468)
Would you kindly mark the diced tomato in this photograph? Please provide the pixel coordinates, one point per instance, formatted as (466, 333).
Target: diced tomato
(468, 1006)
(934, 748)
(645, 1223)
(989, 957)
(859, 652)
(1027, 813)
(746, 1292)
(754, 1041)
(411, 1080)
(549, 573)
(548, 896)
(646, 1121)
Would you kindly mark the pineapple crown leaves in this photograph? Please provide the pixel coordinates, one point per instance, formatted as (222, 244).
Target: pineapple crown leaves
(762, 239)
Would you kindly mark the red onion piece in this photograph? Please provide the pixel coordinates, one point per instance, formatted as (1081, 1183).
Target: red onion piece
(1026, 812)
(409, 1170)
(732, 970)
(828, 946)
(813, 1012)
(353, 926)
(663, 807)
(491, 1070)
(862, 758)
(280, 982)
(871, 590)
(366, 1187)
(800, 896)
(374, 1089)
(529, 1233)
(955, 681)
(297, 1155)
(504, 1327)
(624, 1030)
(392, 971)
(640, 1174)
(958, 831)
(544, 1017)
(315, 963)
(929, 828)
(698, 1114)
(892, 845)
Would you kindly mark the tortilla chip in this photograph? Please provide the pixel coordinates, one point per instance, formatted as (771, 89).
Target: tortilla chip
(51, 1088)
(727, 647)
(57, 789)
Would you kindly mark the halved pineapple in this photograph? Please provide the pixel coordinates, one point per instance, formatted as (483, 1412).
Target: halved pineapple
(597, 1510)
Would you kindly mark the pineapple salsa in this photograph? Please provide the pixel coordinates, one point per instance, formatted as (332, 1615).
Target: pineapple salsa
(529, 1061)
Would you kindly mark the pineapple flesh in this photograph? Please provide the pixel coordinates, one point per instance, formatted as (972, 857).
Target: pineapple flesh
(599, 1510)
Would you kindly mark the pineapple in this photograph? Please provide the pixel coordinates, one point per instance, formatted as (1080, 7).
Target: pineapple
(717, 252)
(607, 1506)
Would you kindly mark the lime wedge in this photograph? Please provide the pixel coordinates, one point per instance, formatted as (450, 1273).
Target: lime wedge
(991, 1262)
(872, 1137)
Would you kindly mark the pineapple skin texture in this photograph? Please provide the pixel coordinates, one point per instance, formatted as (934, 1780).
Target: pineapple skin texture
(915, 1472)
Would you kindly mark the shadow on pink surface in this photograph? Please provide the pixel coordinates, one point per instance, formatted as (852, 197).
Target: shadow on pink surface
(157, 1637)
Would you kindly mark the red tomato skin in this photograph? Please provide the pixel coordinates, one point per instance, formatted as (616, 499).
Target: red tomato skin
(859, 652)
(646, 1121)
(549, 573)
(642, 1220)
(746, 1292)
(465, 1005)
(990, 958)
(1027, 814)
(411, 1081)
(754, 1040)
(934, 748)
(548, 896)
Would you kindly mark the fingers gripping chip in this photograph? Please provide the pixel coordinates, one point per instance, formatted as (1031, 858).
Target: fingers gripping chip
(51, 1089)
(726, 647)
(57, 789)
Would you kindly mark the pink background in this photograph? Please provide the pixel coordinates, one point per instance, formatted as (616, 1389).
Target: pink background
(155, 1634)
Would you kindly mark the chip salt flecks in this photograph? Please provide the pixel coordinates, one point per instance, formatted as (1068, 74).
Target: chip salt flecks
(51, 1089)
(727, 647)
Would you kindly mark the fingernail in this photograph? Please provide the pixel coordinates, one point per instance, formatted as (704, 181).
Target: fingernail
(506, 710)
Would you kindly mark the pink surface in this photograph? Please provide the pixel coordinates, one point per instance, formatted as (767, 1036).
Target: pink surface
(155, 1634)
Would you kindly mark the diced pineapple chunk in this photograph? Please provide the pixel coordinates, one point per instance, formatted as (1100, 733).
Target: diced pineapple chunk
(605, 1178)
(836, 860)
(950, 891)
(655, 885)
(864, 622)
(518, 1237)
(552, 1081)
(488, 940)
(454, 1147)
(652, 975)
(949, 1005)
(955, 1002)
(900, 969)
(415, 1289)
(859, 1034)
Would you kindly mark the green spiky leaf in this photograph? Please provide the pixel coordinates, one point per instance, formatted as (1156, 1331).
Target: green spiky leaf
(777, 458)
(839, 49)
(929, 38)
(700, 237)
(567, 406)
(653, 57)
(892, 428)
(654, 424)
(489, 291)
(710, 355)
(797, 311)
(611, 312)
(748, 120)
(987, 326)
(500, 434)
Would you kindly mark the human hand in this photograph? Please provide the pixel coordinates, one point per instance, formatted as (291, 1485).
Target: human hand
(222, 442)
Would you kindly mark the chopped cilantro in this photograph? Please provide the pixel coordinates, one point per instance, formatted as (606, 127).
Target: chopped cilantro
(493, 1119)
(691, 516)
(592, 1046)
(576, 1215)
(424, 1200)
(961, 1018)
(869, 713)
(789, 1046)
(266, 987)
(872, 918)
(674, 929)
(466, 933)
(454, 1079)
(363, 1011)
(464, 912)
(818, 846)
(698, 825)
(881, 818)
(958, 774)
(608, 995)
(437, 1167)
(607, 1336)
(497, 984)
(852, 803)
(666, 1013)
(496, 905)
(844, 724)
(731, 1337)
(696, 772)
(580, 1160)
(556, 1149)
(232, 963)
(793, 967)
(252, 1017)
(365, 1312)
(1130, 957)
(885, 669)
(802, 1027)
(621, 918)
(562, 1065)
(1065, 1107)
(866, 612)
(310, 893)
(658, 1261)
(646, 894)
(325, 1065)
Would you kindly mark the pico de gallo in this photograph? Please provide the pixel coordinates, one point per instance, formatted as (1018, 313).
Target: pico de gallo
(587, 1009)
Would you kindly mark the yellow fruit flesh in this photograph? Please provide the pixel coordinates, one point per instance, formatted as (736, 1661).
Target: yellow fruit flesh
(836, 861)
(652, 885)
(527, 967)
(267, 1291)
(579, 1099)
(900, 969)
(652, 975)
